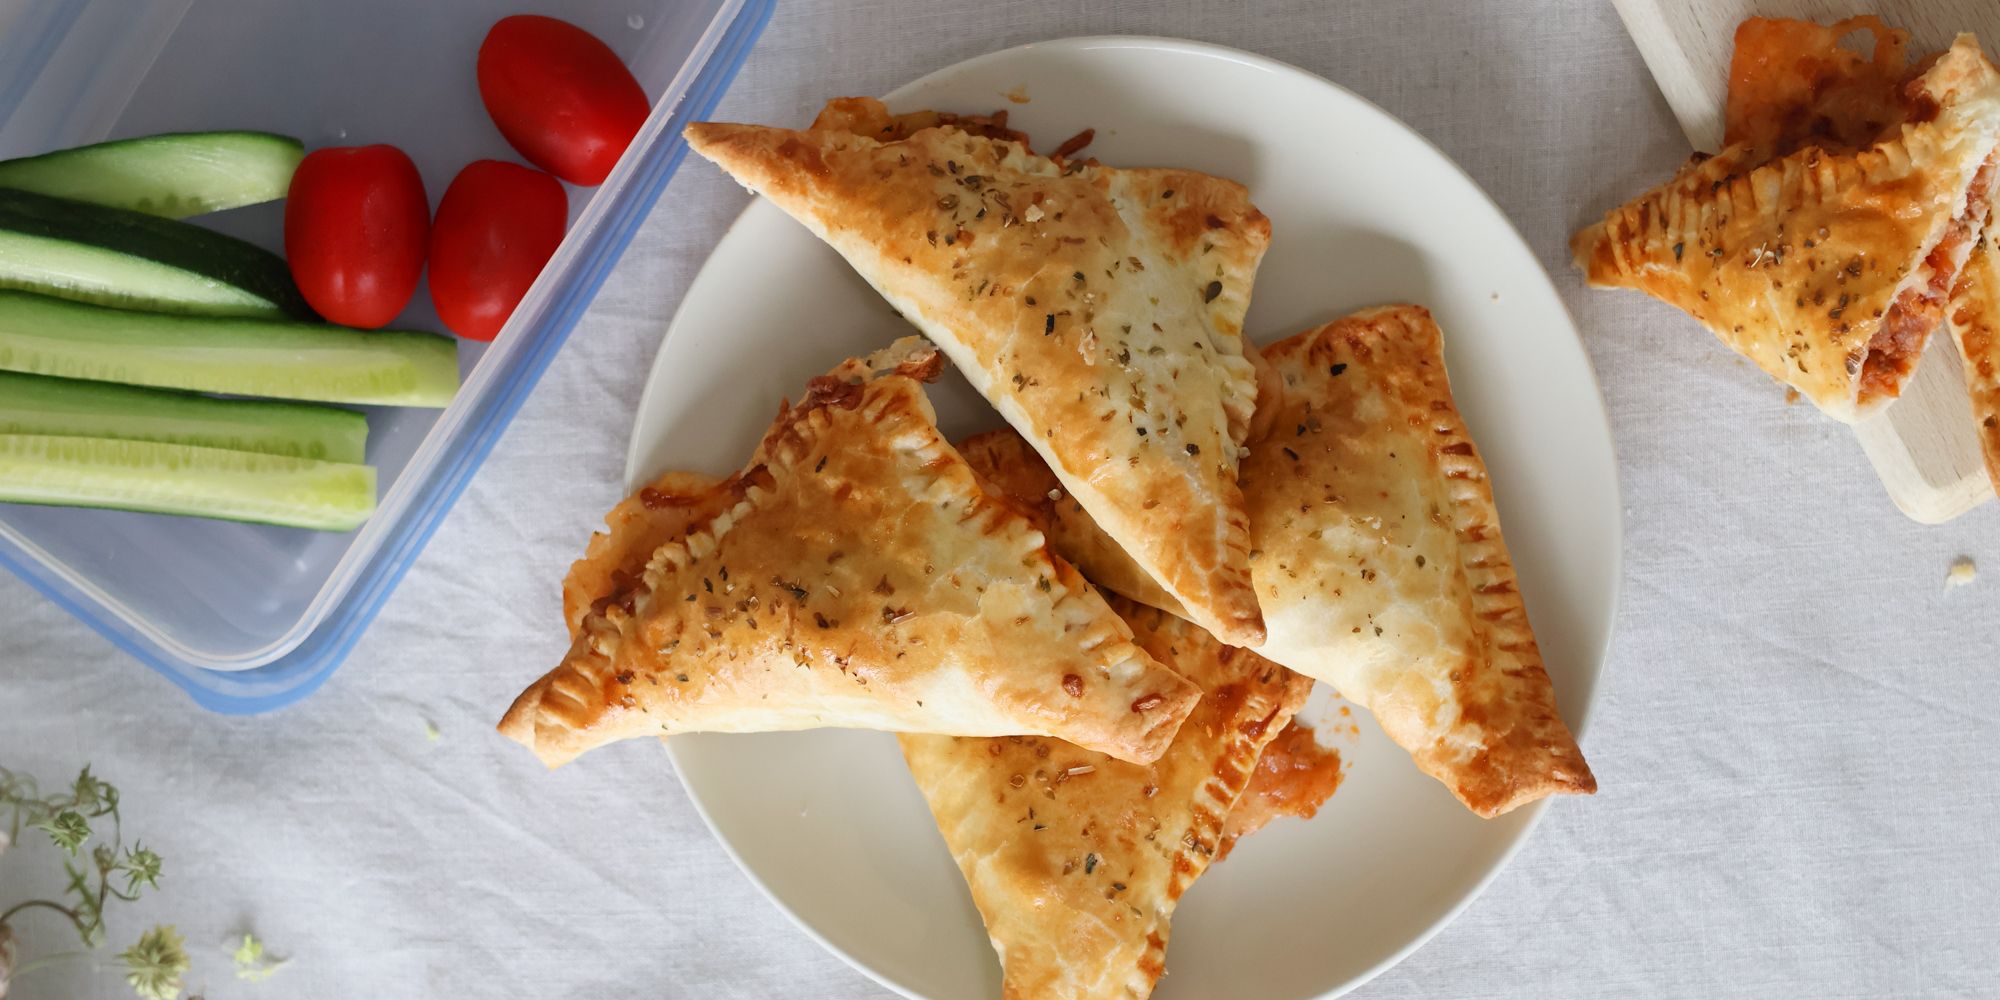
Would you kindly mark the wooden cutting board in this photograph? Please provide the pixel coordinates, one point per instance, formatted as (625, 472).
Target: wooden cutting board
(1923, 446)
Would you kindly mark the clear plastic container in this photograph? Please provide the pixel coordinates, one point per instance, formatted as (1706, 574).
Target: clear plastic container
(248, 618)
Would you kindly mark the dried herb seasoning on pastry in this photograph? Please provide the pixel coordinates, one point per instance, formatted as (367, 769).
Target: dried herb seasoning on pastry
(1076, 860)
(1974, 318)
(858, 576)
(1098, 309)
(1379, 558)
(1823, 242)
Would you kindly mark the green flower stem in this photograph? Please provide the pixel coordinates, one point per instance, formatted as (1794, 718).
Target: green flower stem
(9, 913)
(47, 960)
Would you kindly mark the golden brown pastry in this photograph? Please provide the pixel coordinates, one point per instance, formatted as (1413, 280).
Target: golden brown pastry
(1009, 468)
(1827, 265)
(859, 577)
(1099, 310)
(1975, 326)
(1076, 860)
(1382, 568)
(1379, 558)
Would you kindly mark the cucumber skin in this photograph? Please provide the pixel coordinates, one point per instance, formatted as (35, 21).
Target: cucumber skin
(179, 245)
(58, 407)
(196, 482)
(110, 173)
(40, 335)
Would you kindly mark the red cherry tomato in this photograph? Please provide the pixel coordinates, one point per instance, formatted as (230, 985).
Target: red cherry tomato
(560, 96)
(357, 223)
(496, 227)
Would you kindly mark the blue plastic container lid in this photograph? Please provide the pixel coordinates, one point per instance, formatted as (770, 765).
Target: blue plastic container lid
(249, 618)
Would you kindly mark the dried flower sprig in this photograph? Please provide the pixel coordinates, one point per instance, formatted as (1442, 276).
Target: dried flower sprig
(98, 874)
(155, 964)
(251, 962)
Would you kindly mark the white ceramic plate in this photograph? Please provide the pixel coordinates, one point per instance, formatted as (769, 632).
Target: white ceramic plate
(1363, 211)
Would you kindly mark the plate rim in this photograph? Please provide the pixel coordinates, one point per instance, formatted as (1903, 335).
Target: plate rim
(1578, 720)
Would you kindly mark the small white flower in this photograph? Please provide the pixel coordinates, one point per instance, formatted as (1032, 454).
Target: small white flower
(155, 964)
(251, 964)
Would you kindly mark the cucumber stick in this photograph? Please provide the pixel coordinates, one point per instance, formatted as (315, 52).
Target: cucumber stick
(115, 257)
(174, 175)
(248, 357)
(183, 479)
(34, 404)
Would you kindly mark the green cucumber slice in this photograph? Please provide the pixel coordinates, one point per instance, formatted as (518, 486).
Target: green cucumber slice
(247, 357)
(60, 407)
(182, 479)
(114, 257)
(173, 175)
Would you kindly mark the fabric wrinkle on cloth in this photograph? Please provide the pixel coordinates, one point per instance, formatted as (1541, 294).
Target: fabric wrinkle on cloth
(1792, 736)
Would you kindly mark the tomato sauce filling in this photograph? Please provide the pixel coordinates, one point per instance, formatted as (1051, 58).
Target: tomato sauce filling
(1894, 349)
(1294, 777)
(1792, 84)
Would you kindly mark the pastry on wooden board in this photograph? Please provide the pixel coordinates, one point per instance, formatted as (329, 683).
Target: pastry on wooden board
(1792, 84)
(1378, 557)
(858, 577)
(1974, 318)
(1076, 860)
(1099, 309)
(1823, 243)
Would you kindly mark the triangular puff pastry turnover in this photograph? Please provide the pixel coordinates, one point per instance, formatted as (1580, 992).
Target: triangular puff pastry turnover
(1100, 310)
(1379, 557)
(1975, 327)
(1826, 265)
(860, 577)
(1382, 563)
(1076, 860)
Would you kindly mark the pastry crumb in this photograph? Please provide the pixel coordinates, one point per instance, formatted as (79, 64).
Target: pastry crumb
(1019, 95)
(431, 731)
(1792, 396)
(1962, 572)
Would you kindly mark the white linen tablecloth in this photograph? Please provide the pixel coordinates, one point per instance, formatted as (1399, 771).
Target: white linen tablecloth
(1795, 732)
